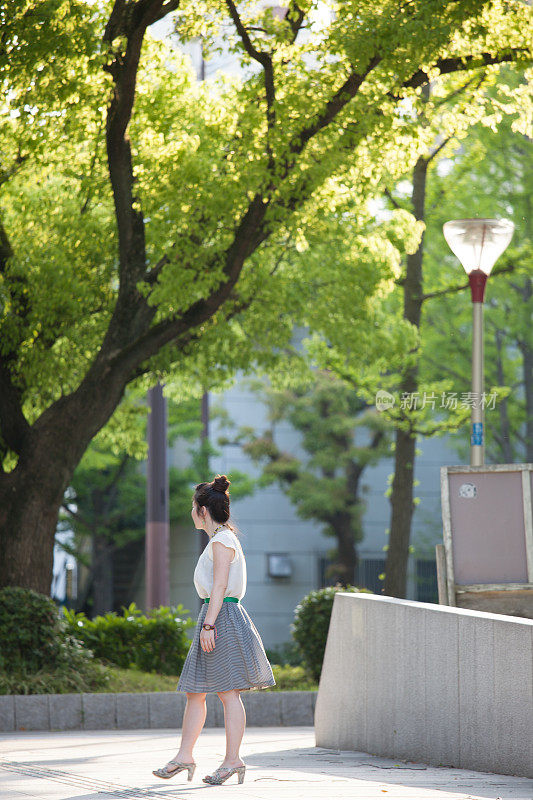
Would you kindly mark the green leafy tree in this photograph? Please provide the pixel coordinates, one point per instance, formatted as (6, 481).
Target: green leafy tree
(142, 212)
(326, 485)
(490, 175)
(493, 173)
(445, 114)
(448, 109)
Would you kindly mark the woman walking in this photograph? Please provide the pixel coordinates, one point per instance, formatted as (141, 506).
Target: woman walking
(226, 655)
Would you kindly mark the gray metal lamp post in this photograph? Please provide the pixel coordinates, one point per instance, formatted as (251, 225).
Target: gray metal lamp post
(477, 243)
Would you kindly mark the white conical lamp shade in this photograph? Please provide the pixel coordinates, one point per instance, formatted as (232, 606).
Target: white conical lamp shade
(478, 243)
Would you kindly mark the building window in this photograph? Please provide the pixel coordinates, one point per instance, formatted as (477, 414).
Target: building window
(323, 564)
(368, 571)
(426, 581)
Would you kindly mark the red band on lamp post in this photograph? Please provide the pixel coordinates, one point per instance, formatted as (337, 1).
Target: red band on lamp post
(477, 280)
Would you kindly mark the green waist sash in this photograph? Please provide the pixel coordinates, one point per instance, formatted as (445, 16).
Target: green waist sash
(226, 599)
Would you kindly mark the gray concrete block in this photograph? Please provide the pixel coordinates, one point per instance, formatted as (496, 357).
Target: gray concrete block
(7, 712)
(352, 671)
(132, 710)
(260, 709)
(326, 722)
(99, 711)
(476, 693)
(65, 712)
(455, 686)
(345, 652)
(383, 645)
(513, 711)
(296, 708)
(442, 686)
(32, 712)
(408, 710)
(166, 709)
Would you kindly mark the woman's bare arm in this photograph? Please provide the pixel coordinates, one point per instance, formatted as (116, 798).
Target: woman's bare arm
(222, 558)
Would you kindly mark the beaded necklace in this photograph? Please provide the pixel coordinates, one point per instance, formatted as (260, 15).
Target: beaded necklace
(219, 527)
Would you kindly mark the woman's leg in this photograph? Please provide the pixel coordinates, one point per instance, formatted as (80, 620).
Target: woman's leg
(235, 722)
(193, 722)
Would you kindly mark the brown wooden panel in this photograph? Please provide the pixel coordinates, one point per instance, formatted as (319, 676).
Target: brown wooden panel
(517, 603)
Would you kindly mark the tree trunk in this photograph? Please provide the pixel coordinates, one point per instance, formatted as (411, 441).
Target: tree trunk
(401, 500)
(395, 584)
(505, 423)
(527, 366)
(28, 518)
(102, 576)
(32, 493)
(344, 568)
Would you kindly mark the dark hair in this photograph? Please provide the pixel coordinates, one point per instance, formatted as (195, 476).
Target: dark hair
(215, 497)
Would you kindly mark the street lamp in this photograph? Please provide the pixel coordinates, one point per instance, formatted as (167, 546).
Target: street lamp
(477, 243)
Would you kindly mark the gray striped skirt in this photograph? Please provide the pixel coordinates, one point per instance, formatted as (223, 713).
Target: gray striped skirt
(238, 661)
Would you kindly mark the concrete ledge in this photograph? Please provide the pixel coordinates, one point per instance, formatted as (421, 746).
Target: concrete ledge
(130, 711)
(418, 681)
(66, 712)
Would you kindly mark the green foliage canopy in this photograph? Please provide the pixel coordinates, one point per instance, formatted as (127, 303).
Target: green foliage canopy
(206, 159)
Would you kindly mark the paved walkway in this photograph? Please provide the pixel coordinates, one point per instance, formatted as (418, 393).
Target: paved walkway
(282, 764)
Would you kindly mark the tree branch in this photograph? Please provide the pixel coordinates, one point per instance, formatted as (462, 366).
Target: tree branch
(460, 288)
(6, 174)
(76, 514)
(6, 251)
(460, 63)
(14, 426)
(295, 17)
(331, 109)
(265, 60)
(443, 100)
(393, 200)
(437, 150)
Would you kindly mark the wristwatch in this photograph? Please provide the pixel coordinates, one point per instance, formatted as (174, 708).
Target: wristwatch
(207, 627)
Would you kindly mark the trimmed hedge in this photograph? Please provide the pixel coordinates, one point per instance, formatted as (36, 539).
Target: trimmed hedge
(311, 624)
(156, 642)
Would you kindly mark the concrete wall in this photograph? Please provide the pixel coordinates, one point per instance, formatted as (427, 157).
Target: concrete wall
(128, 711)
(429, 683)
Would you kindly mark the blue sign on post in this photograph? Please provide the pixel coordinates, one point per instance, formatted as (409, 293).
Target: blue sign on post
(477, 433)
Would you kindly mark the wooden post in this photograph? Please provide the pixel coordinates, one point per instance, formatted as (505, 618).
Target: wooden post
(440, 557)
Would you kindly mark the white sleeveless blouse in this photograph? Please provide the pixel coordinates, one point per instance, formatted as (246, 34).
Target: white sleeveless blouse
(203, 573)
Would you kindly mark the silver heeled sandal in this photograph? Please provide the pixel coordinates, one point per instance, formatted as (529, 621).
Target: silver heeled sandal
(163, 772)
(222, 774)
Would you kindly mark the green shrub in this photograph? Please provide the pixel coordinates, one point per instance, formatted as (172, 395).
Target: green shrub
(30, 632)
(153, 643)
(286, 653)
(37, 655)
(78, 671)
(289, 678)
(311, 624)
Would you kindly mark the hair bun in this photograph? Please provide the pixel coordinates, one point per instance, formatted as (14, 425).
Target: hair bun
(221, 483)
